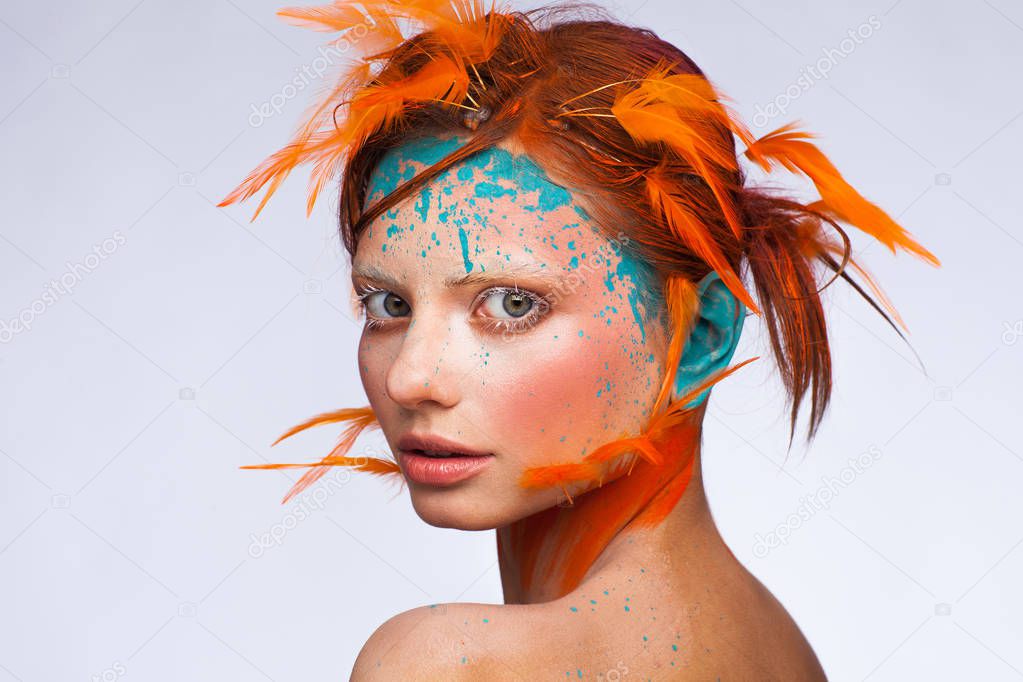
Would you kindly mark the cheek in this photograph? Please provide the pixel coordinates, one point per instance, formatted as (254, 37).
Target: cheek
(538, 391)
(557, 399)
(376, 354)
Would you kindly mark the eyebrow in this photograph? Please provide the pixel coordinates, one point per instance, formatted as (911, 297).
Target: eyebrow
(374, 273)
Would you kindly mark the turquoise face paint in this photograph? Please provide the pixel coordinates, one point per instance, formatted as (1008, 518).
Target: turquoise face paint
(496, 173)
(463, 239)
(392, 169)
(641, 292)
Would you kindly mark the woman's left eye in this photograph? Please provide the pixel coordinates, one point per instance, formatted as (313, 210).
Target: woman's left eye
(512, 303)
(512, 308)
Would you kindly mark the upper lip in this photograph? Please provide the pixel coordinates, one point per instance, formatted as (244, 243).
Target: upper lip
(433, 443)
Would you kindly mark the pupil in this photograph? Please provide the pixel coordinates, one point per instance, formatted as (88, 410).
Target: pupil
(517, 304)
(394, 305)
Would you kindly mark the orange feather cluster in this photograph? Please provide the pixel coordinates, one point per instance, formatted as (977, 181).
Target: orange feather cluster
(359, 419)
(682, 112)
(376, 103)
(790, 148)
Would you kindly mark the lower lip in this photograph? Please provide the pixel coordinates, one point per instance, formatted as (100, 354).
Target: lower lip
(441, 470)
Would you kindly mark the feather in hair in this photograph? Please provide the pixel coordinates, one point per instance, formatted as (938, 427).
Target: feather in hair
(384, 36)
(373, 108)
(790, 149)
(683, 305)
(816, 245)
(682, 110)
(378, 107)
(337, 17)
(306, 144)
(380, 37)
(683, 220)
(461, 25)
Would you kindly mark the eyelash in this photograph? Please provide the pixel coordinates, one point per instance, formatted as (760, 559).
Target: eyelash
(539, 309)
(362, 292)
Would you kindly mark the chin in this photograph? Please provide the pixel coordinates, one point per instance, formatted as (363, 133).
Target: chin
(452, 508)
(464, 508)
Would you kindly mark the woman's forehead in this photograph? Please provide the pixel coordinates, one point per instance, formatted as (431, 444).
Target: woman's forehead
(502, 169)
(496, 198)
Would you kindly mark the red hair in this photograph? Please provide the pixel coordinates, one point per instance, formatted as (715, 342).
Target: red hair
(647, 144)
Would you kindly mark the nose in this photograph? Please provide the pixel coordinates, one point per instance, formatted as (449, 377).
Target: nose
(425, 370)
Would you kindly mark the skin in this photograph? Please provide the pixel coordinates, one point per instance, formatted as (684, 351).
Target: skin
(500, 317)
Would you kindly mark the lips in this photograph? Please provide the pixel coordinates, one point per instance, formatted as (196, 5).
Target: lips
(436, 446)
(434, 461)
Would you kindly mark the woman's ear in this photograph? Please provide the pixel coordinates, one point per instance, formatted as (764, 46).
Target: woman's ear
(712, 342)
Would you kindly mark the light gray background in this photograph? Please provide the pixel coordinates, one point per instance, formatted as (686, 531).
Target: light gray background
(126, 526)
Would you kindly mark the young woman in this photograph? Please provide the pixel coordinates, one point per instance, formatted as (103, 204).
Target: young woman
(550, 231)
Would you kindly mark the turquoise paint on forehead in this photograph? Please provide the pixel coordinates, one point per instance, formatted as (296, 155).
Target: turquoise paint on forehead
(496, 164)
(393, 168)
(497, 173)
(463, 239)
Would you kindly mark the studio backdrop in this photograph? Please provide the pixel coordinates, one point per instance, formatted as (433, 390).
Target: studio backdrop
(151, 344)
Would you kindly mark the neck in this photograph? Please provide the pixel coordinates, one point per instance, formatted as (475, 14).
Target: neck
(653, 509)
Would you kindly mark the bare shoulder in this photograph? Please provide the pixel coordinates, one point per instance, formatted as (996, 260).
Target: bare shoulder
(602, 632)
(739, 629)
(571, 637)
(480, 642)
(446, 641)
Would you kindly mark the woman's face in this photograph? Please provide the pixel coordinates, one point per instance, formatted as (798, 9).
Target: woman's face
(500, 321)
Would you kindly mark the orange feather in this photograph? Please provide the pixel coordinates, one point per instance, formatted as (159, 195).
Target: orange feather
(378, 107)
(460, 24)
(359, 419)
(362, 416)
(681, 111)
(815, 243)
(373, 465)
(375, 107)
(683, 307)
(339, 16)
(790, 149)
(684, 222)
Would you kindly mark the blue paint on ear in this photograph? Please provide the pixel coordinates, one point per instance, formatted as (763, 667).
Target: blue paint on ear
(713, 339)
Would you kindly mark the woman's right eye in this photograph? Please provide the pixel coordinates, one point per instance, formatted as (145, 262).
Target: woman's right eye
(385, 304)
